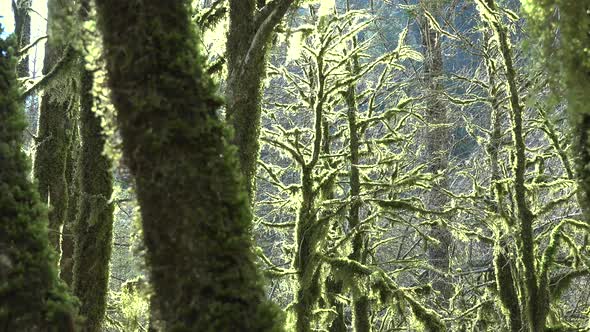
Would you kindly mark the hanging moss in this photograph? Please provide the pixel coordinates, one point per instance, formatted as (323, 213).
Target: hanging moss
(31, 295)
(195, 215)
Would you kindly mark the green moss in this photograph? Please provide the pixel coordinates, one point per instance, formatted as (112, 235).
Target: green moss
(94, 224)
(195, 215)
(31, 295)
(54, 134)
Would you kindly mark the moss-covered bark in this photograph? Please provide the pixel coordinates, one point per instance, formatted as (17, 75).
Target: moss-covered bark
(53, 136)
(360, 302)
(250, 29)
(94, 219)
(195, 215)
(31, 296)
(310, 230)
(533, 299)
(504, 268)
(66, 260)
(332, 286)
(308, 234)
(94, 224)
(22, 31)
(437, 141)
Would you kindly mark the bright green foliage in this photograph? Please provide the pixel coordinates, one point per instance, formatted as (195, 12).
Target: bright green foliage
(31, 296)
(195, 215)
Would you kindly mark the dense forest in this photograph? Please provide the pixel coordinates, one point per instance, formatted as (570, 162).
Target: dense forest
(294, 165)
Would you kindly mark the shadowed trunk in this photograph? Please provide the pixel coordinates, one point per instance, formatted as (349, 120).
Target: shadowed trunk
(195, 215)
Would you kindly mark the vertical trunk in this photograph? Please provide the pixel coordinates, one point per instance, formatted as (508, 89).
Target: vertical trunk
(66, 261)
(32, 297)
(309, 232)
(360, 302)
(22, 31)
(437, 149)
(54, 127)
(333, 287)
(249, 34)
(534, 300)
(504, 268)
(94, 224)
(196, 219)
(305, 255)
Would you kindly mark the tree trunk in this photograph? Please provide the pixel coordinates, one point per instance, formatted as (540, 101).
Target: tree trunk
(22, 31)
(66, 260)
(534, 299)
(94, 225)
(360, 302)
(437, 143)
(195, 215)
(249, 35)
(53, 136)
(32, 298)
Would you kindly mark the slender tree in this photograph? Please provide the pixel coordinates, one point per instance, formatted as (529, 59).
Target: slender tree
(32, 298)
(196, 217)
(54, 132)
(437, 143)
(22, 31)
(252, 23)
(94, 222)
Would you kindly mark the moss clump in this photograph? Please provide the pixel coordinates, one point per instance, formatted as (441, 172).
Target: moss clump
(31, 295)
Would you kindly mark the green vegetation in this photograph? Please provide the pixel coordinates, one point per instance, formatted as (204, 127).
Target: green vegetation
(284, 165)
(31, 295)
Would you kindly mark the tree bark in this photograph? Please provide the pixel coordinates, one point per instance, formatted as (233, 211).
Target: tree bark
(250, 29)
(195, 215)
(94, 224)
(437, 139)
(53, 136)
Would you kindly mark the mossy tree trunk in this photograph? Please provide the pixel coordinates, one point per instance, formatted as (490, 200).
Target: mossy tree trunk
(66, 260)
(333, 287)
(22, 31)
(310, 231)
(195, 215)
(570, 73)
(32, 298)
(504, 267)
(534, 300)
(53, 133)
(251, 25)
(94, 222)
(360, 302)
(438, 147)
